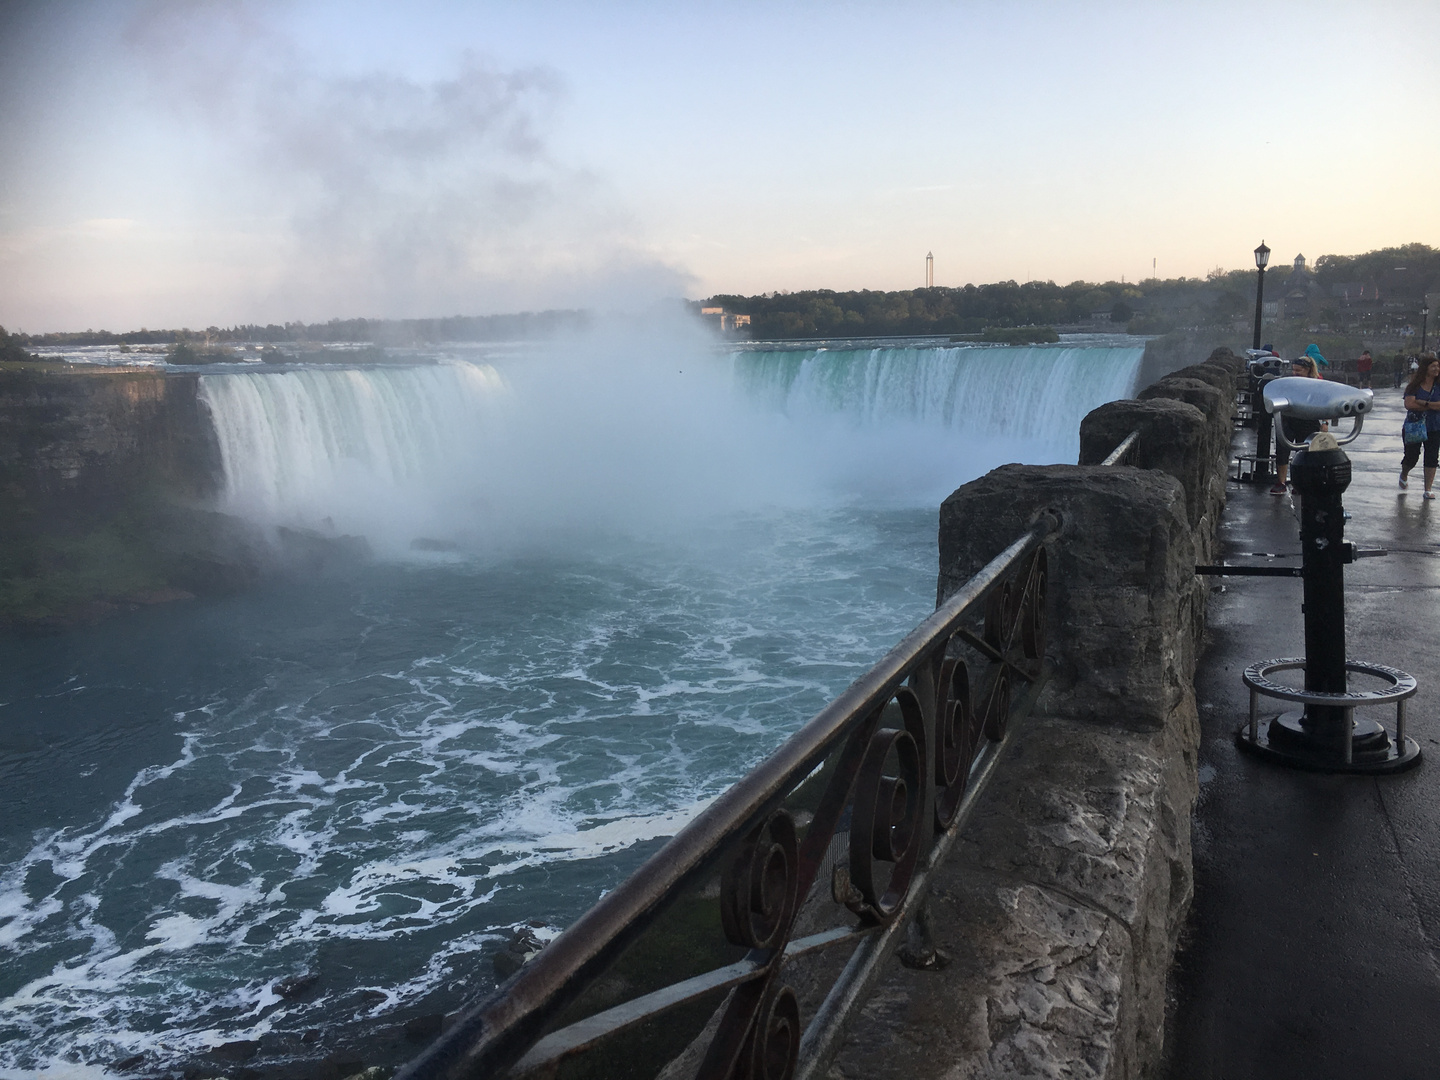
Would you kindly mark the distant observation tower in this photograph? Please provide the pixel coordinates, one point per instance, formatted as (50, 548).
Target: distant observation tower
(929, 270)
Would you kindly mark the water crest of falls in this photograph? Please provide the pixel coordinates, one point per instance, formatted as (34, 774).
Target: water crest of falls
(1037, 394)
(479, 454)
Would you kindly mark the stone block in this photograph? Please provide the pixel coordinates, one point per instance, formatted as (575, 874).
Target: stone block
(1212, 374)
(1227, 358)
(1059, 911)
(1173, 438)
(1208, 399)
(1121, 581)
(1217, 406)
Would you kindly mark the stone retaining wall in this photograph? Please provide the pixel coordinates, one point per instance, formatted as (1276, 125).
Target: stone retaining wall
(1059, 907)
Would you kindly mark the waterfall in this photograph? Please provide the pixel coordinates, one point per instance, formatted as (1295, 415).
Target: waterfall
(313, 446)
(1026, 393)
(460, 451)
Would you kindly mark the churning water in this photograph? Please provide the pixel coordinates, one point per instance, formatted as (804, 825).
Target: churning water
(606, 585)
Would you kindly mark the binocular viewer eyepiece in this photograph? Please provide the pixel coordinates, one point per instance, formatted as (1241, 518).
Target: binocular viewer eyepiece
(1272, 367)
(1315, 399)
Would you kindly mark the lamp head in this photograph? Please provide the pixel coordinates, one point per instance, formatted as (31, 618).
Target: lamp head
(1262, 255)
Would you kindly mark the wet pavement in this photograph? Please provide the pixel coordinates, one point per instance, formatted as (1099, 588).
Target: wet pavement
(1310, 951)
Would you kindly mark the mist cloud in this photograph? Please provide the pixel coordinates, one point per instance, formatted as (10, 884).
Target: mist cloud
(396, 195)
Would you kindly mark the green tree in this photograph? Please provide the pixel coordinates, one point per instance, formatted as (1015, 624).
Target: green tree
(10, 348)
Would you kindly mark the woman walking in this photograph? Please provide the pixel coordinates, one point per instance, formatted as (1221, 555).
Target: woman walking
(1422, 400)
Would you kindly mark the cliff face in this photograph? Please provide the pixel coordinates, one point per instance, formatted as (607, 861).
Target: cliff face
(104, 475)
(76, 444)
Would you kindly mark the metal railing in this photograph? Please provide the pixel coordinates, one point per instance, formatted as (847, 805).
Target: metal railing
(827, 845)
(1125, 450)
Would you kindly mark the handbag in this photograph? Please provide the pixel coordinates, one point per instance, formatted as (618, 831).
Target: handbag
(1414, 430)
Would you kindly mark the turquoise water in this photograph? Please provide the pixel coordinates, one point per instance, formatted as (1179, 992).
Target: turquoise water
(373, 776)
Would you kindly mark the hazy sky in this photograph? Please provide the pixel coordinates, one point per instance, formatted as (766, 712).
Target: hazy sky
(194, 164)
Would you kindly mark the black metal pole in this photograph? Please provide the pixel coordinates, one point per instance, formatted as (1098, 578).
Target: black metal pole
(1321, 476)
(1424, 325)
(1263, 428)
(1259, 300)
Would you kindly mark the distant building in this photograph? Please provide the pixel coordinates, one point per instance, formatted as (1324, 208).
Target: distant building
(1298, 290)
(727, 322)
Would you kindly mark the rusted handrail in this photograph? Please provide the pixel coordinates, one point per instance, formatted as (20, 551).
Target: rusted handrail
(905, 791)
(1126, 447)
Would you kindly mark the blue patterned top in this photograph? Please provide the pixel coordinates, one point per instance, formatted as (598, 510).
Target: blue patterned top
(1432, 417)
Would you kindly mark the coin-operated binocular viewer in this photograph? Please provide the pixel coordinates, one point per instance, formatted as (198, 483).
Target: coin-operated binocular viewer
(1263, 369)
(1324, 734)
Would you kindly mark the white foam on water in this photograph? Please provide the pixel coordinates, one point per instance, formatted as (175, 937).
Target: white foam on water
(620, 833)
(307, 813)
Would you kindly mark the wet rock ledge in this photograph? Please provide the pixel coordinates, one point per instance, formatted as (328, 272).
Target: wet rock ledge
(1059, 908)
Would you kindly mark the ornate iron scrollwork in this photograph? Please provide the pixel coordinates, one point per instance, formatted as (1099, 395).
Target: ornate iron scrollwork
(1000, 611)
(885, 826)
(997, 706)
(1032, 624)
(758, 888)
(774, 1045)
(956, 739)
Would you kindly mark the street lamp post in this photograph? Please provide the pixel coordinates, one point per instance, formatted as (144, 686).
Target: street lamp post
(1424, 324)
(1263, 420)
(1262, 256)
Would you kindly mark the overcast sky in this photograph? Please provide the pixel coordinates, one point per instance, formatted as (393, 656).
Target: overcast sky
(194, 164)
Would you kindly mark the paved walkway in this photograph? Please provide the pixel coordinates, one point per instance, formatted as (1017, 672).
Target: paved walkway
(1311, 950)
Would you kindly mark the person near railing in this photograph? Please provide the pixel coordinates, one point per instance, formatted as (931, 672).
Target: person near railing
(1363, 367)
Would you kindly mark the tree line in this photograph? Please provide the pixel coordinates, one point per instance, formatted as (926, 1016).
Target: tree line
(10, 347)
(1151, 306)
(969, 309)
(1222, 299)
(525, 324)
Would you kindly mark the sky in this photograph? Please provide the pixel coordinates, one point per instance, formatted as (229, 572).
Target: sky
(195, 164)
